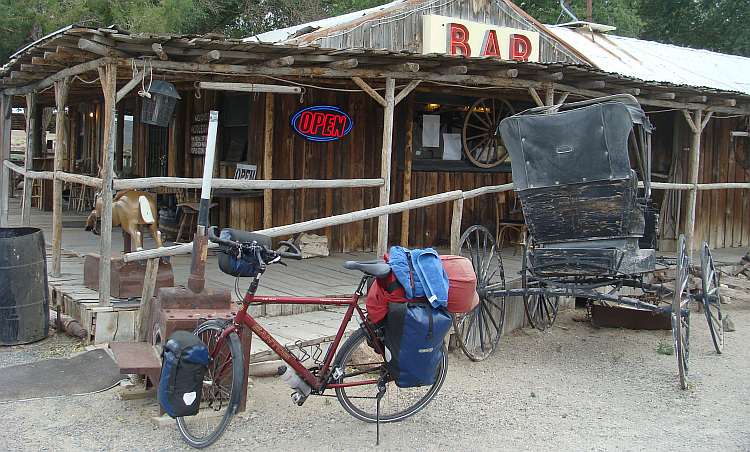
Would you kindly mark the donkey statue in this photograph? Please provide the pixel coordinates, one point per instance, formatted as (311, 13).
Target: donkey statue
(130, 208)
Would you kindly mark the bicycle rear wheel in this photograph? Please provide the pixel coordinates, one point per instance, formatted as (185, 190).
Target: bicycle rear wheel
(222, 387)
(360, 362)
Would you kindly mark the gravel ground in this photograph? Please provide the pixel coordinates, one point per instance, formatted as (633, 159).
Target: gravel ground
(572, 387)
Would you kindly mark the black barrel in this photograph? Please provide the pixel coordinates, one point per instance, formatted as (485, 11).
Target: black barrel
(24, 299)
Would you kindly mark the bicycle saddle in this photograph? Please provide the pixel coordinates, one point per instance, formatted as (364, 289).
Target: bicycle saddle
(378, 268)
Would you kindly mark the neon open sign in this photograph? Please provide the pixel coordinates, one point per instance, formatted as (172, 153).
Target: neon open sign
(322, 123)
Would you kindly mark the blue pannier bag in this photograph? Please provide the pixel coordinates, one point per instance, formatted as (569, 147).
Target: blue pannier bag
(185, 361)
(414, 334)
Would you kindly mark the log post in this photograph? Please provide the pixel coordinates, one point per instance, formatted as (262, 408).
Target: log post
(458, 210)
(108, 77)
(385, 163)
(268, 161)
(144, 312)
(697, 123)
(5, 121)
(409, 124)
(62, 88)
(31, 126)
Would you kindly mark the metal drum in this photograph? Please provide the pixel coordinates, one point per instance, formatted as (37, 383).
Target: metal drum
(24, 299)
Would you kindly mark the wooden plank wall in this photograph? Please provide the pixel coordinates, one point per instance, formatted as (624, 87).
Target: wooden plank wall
(430, 226)
(355, 156)
(722, 216)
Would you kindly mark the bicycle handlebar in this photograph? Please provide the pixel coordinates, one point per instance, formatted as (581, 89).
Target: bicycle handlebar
(255, 248)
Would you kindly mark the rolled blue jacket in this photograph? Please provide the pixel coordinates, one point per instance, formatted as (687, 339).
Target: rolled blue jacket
(430, 279)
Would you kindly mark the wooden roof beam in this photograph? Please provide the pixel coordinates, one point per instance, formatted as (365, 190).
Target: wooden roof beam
(159, 51)
(694, 99)
(593, 84)
(351, 63)
(17, 76)
(280, 62)
(662, 96)
(452, 70)
(722, 102)
(100, 49)
(542, 77)
(404, 67)
(208, 57)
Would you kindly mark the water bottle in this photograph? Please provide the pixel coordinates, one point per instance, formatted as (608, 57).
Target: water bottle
(300, 386)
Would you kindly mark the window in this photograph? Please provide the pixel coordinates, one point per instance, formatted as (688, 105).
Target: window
(441, 132)
(236, 123)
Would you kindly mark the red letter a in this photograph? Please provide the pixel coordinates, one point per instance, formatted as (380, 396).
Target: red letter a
(489, 46)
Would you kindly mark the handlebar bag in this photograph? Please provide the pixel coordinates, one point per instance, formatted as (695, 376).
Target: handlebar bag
(248, 264)
(185, 361)
(414, 334)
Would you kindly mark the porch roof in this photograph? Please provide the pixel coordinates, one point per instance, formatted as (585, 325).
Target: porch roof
(185, 59)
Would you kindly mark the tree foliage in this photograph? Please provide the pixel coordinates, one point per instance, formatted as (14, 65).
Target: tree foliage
(622, 14)
(718, 25)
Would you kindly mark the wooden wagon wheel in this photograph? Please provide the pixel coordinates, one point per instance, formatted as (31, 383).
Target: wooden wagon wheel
(681, 312)
(480, 143)
(541, 309)
(478, 331)
(711, 298)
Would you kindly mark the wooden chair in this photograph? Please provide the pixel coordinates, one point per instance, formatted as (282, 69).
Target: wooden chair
(188, 201)
(510, 228)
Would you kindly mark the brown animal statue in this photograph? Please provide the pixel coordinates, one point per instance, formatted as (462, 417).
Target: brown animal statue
(130, 208)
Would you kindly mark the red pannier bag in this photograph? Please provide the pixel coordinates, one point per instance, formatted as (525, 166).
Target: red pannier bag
(462, 289)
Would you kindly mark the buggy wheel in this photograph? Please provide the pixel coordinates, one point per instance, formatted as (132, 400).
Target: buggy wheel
(681, 312)
(222, 387)
(478, 331)
(712, 299)
(481, 145)
(541, 310)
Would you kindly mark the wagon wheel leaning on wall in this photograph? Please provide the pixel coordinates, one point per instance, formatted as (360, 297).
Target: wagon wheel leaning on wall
(681, 311)
(480, 143)
(712, 298)
(478, 331)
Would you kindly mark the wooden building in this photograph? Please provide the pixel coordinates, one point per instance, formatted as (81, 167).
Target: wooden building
(415, 80)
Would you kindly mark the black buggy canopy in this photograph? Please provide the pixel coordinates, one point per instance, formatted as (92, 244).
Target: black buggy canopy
(582, 142)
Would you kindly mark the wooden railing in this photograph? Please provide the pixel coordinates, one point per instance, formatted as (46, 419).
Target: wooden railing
(456, 196)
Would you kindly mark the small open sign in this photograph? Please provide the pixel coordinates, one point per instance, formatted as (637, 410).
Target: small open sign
(322, 123)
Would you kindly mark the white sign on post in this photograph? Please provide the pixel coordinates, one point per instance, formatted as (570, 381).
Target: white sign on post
(245, 171)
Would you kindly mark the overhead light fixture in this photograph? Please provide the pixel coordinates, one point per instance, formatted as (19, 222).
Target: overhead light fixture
(158, 103)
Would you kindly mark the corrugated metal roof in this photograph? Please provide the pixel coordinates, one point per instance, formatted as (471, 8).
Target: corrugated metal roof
(657, 62)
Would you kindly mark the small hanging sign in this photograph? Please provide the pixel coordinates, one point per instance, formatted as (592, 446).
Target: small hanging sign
(322, 123)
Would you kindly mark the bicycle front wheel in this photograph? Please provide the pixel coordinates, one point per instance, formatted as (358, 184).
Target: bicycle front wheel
(360, 362)
(222, 387)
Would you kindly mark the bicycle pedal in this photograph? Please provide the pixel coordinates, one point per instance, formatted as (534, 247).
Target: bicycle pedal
(298, 398)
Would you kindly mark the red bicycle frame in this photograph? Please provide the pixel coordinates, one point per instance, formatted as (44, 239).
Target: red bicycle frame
(315, 382)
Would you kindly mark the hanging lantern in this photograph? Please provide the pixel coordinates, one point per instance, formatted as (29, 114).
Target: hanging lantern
(158, 103)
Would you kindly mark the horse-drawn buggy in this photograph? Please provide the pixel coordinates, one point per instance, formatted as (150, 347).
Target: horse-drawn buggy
(582, 174)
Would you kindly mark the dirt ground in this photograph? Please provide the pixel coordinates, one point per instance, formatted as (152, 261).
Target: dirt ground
(570, 388)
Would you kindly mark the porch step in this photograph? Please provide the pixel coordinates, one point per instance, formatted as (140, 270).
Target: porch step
(137, 358)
